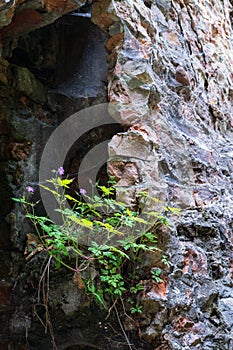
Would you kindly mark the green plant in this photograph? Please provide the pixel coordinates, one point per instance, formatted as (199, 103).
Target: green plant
(109, 264)
(103, 220)
(165, 261)
(156, 275)
(137, 288)
(136, 309)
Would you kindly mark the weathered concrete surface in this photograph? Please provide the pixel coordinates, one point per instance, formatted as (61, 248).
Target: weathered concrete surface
(170, 76)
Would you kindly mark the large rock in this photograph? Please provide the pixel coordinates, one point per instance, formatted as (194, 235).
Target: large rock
(170, 71)
(27, 85)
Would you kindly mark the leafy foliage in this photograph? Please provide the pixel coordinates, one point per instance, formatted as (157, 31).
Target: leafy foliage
(96, 217)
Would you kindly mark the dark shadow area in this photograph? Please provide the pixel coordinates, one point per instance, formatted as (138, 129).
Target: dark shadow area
(52, 53)
(79, 150)
(68, 57)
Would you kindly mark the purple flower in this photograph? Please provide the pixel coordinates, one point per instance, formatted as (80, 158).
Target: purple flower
(82, 191)
(30, 189)
(61, 171)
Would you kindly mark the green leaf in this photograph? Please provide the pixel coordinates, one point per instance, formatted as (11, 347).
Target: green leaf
(64, 183)
(136, 309)
(20, 200)
(49, 190)
(108, 227)
(82, 222)
(58, 264)
(140, 220)
(173, 210)
(114, 249)
(71, 198)
(107, 190)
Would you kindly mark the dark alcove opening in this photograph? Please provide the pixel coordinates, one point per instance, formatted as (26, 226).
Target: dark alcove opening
(52, 53)
(68, 57)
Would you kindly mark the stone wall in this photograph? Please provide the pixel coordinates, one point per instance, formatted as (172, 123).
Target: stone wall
(170, 78)
(170, 72)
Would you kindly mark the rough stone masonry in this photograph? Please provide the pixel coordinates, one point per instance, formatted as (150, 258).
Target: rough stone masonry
(170, 72)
